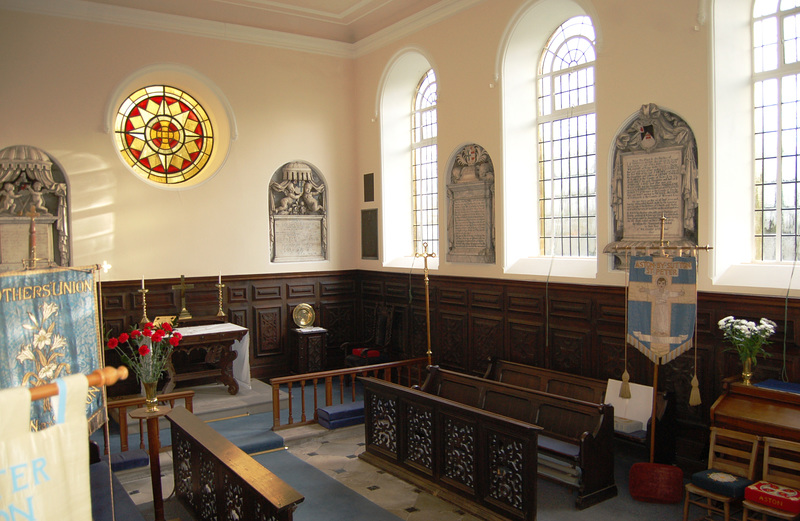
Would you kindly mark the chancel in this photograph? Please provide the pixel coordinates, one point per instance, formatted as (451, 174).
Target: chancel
(505, 236)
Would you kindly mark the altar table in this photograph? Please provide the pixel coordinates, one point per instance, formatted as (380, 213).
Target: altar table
(227, 355)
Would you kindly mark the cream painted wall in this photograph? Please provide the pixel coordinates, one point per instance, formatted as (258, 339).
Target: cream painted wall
(648, 52)
(292, 105)
(59, 76)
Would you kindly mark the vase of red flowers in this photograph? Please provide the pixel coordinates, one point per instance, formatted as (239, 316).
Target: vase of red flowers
(146, 352)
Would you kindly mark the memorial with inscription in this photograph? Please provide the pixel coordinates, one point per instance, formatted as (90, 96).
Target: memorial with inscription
(34, 228)
(298, 214)
(654, 180)
(470, 207)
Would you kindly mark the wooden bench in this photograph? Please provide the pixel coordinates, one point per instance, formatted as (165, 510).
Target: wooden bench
(217, 480)
(547, 380)
(576, 444)
(481, 461)
(590, 390)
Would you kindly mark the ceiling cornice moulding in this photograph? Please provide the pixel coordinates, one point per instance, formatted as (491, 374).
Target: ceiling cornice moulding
(130, 17)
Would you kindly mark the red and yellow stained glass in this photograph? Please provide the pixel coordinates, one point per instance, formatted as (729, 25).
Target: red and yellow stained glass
(164, 134)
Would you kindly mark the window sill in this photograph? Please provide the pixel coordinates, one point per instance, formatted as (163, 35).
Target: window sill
(412, 262)
(759, 275)
(555, 267)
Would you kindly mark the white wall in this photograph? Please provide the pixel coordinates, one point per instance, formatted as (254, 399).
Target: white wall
(58, 74)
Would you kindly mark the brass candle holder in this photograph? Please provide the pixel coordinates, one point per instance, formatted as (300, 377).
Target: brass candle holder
(219, 286)
(144, 319)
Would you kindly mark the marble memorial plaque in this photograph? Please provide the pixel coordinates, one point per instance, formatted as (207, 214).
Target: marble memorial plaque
(653, 188)
(470, 196)
(298, 238)
(15, 244)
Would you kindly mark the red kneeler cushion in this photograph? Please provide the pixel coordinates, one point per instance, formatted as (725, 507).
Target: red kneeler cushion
(774, 496)
(655, 483)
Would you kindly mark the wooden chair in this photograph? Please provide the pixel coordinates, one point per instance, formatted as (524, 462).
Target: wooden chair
(375, 349)
(732, 457)
(781, 467)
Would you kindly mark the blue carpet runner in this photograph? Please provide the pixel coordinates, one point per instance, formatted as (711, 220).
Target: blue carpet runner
(325, 498)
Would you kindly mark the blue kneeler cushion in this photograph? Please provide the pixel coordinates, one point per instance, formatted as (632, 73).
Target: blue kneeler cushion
(343, 415)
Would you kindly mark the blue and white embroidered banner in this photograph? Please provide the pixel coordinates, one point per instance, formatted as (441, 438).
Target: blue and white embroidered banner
(49, 328)
(662, 303)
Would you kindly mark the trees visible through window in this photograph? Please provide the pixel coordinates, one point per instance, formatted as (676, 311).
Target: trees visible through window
(424, 165)
(567, 141)
(776, 103)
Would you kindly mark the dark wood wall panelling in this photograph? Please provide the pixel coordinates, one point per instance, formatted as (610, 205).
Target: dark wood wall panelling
(573, 328)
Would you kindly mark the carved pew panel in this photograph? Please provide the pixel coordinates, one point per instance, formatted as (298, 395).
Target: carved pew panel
(455, 450)
(217, 481)
(576, 444)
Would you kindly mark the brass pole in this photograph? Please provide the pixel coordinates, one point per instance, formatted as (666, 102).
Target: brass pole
(425, 256)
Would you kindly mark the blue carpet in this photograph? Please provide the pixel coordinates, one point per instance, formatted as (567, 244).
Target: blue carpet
(252, 433)
(325, 498)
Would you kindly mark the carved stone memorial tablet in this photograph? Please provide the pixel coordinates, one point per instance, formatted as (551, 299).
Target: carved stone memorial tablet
(470, 207)
(298, 214)
(655, 176)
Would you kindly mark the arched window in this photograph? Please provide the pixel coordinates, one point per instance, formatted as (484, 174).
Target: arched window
(408, 181)
(776, 101)
(567, 131)
(424, 165)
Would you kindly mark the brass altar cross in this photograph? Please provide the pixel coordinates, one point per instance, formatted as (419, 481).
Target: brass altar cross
(425, 256)
(183, 287)
(32, 237)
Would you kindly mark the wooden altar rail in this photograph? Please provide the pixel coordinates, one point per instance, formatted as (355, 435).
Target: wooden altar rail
(120, 408)
(410, 372)
(216, 480)
(484, 462)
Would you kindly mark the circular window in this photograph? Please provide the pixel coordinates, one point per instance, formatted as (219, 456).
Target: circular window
(164, 134)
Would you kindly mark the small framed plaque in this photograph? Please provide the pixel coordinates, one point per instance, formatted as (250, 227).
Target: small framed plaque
(369, 187)
(369, 234)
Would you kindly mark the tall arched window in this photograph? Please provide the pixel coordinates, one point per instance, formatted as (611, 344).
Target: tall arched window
(776, 103)
(567, 141)
(424, 165)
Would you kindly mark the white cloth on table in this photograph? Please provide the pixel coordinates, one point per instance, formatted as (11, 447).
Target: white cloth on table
(241, 365)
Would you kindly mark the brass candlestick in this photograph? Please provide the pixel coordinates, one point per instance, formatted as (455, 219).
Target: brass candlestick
(219, 286)
(144, 320)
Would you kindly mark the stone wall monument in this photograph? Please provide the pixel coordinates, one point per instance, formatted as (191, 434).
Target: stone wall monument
(298, 214)
(470, 207)
(655, 175)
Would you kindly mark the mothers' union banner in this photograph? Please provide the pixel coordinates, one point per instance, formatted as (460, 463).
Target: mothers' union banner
(662, 304)
(49, 328)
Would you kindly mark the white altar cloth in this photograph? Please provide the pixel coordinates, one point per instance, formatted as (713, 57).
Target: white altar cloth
(241, 365)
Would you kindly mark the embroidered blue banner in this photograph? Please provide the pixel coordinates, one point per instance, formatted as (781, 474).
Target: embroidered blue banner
(662, 303)
(50, 328)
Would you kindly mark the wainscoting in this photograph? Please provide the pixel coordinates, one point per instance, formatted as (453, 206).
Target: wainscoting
(573, 328)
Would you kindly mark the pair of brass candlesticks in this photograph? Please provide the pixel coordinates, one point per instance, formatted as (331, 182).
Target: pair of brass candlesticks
(184, 314)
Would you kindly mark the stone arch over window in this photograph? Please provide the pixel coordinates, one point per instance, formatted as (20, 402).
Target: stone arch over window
(518, 57)
(396, 94)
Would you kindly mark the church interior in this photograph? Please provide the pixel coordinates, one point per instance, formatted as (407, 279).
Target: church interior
(297, 205)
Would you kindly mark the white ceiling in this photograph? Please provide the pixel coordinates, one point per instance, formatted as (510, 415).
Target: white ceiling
(345, 21)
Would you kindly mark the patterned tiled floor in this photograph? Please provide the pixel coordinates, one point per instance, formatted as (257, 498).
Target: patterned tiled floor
(336, 454)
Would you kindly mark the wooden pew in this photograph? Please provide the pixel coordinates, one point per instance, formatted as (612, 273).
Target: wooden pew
(217, 480)
(576, 444)
(481, 461)
(547, 380)
(589, 390)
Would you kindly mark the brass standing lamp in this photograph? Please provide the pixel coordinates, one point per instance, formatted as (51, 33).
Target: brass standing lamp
(425, 256)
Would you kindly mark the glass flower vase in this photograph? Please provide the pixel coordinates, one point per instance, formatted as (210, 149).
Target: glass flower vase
(150, 396)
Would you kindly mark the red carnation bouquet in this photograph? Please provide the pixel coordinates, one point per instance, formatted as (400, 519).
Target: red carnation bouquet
(146, 351)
